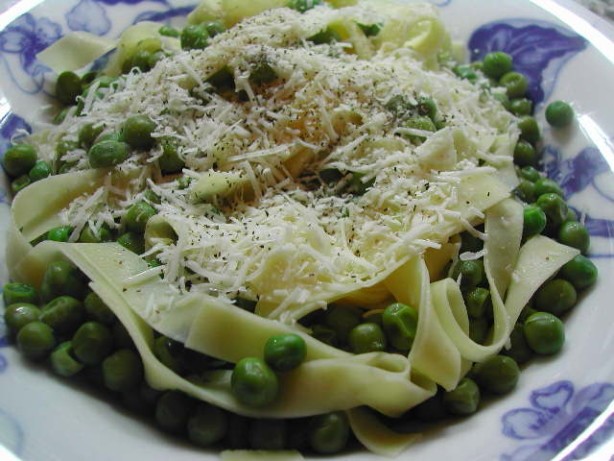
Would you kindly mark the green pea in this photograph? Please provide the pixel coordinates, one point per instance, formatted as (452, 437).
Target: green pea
(580, 271)
(62, 361)
(19, 314)
(62, 278)
(471, 243)
(303, 5)
(521, 106)
(168, 31)
(525, 154)
(519, 350)
(59, 234)
(555, 208)
(253, 383)
(64, 314)
(574, 234)
(133, 242)
(194, 37)
(571, 215)
(544, 333)
(267, 434)
(168, 351)
(478, 329)
(92, 343)
(137, 216)
(110, 136)
(342, 320)
(88, 134)
(400, 323)
(325, 36)
(515, 84)
(173, 411)
(556, 296)
(534, 221)
(20, 183)
(90, 235)
(141, 59)
(155, 57)
(503, 98)
(496, 63)
(367, 337)
(207, 425)
(170, 161)
(427, 108)
(36, 340)
(325, 334)
(285, 352)
(97, 310)
(529, 129)
(529, 173)
(68, 87)
(496, 375)
(478, 302)
(464, 399)
(329, 433)
(471, 273)
(399, 105)
(559, 114)
(421, 123)
(526, 312)
(525, 191)
(122, 370)
(138, 131)
(19, 159)
(466, 72)
(17, 292)
(370, 30)
(547, 186)
(214, 28)
(40, 170)
(105, 154)
(262, 73)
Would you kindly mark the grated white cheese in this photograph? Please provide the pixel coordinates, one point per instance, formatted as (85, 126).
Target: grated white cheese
(287, 238)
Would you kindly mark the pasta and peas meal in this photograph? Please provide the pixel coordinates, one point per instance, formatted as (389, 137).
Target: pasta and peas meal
(292, 225)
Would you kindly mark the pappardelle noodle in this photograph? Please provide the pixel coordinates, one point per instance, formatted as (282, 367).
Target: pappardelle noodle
(302, 217)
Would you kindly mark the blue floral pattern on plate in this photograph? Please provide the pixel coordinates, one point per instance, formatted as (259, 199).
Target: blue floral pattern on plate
(26, 37)
(88, 16)
(557, 416)
(556, 413)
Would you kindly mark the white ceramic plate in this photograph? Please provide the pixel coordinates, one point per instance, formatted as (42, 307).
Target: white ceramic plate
(562, 406)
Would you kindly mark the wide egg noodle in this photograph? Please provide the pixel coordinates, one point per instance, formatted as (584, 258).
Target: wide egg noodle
(376, 436)
(333, 380)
